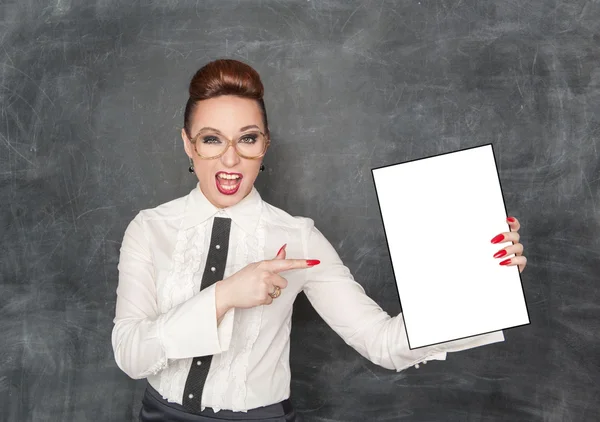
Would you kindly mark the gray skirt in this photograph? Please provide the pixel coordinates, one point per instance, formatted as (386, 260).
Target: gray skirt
(157, 409)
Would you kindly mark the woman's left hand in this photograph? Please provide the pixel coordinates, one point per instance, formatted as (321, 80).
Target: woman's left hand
(516, 249)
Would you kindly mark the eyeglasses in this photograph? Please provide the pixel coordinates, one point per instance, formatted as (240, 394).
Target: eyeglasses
(210, 144)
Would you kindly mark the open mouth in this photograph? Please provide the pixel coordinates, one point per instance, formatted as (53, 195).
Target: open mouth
(228, 183)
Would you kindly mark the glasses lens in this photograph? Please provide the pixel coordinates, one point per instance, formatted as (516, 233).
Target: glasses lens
(210, 145)
(249, 145)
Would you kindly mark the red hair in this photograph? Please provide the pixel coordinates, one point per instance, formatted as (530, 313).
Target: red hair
(224, 77)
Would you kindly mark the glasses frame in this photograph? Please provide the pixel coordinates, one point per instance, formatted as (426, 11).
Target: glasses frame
(230, 143)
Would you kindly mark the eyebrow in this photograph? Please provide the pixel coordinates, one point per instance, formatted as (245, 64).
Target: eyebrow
(242, 129)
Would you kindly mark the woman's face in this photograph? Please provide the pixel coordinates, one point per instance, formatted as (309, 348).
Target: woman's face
(229, 115)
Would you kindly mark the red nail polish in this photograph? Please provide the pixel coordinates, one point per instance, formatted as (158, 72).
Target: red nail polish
(312, 262)
(282, 248)
(500, 253)
(498, 238)
(505, 262)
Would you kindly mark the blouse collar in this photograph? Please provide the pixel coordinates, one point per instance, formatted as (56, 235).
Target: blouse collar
(245, 213)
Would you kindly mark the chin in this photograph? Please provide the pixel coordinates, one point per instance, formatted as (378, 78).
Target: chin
(224, 200)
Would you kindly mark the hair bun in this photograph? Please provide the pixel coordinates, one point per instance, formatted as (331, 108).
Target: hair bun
(224, 77)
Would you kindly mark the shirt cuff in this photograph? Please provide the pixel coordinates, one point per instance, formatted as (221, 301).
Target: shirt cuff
(190, 329)
(464, 344)
(472, 342)
(438, 356)
(225, 330)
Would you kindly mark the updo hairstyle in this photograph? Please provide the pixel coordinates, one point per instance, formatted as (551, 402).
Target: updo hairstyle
(224, 77)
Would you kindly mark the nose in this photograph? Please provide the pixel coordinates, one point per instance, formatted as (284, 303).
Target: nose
(230, 158)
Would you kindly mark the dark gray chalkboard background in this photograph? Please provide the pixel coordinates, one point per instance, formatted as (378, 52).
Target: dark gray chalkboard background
(91, 101)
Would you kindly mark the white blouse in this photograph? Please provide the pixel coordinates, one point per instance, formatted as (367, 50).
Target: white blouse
(163, 320)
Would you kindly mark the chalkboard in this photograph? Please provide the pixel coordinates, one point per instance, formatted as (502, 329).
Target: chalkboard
(92, 97)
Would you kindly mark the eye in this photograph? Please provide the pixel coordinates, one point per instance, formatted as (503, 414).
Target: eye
(211, 140)
(249, 139)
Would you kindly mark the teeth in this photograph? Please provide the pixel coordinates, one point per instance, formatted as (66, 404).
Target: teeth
(228, 176)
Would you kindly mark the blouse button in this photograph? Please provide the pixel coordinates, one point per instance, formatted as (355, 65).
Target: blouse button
(191, 396)
(417, 366)
(198, 363)
(218, 246)
(213, 269)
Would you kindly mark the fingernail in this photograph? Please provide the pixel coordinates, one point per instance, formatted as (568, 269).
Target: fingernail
(505, 262)
(500, 253)
(282, 248)
(498, 238)
(312, 262)
(512, 220)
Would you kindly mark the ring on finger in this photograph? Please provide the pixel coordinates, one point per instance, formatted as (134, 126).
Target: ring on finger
(275, 294)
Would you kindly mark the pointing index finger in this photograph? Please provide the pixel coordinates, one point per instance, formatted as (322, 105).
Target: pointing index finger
(279, 265)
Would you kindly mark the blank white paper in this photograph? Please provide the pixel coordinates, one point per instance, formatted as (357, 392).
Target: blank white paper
(439, 215)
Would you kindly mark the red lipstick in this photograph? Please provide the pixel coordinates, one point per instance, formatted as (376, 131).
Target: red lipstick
(230, 185)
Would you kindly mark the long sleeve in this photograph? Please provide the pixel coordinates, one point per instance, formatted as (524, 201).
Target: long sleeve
(143, 339)
(362, 324)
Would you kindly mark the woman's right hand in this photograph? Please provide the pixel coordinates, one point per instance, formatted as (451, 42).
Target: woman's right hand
(251, 285)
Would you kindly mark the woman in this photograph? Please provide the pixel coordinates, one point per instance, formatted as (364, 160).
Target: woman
(207, 281)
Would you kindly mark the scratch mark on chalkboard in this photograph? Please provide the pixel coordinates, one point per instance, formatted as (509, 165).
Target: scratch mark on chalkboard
(355, 34)
(380, 11)
(487, 378)
(314, 409)
(100, 243)
(350, 17)
(14, 149)
(70, 202)
(571, 243)
(519, 87)
(4, 48)
(372, 373)
(583, 10)
(589, 191)
(400, 96)
(57, 245)
(166, 45)
(282, 16)
(92, 210)
(28, 77)
(24, 100)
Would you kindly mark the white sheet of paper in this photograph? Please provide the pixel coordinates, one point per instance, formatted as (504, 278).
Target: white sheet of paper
(439, 215)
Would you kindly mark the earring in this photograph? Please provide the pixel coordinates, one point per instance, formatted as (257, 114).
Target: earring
(262, 167)
(191, 168)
